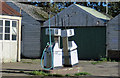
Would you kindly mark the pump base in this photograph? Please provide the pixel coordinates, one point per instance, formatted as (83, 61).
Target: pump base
(69, 65)
(54, 67)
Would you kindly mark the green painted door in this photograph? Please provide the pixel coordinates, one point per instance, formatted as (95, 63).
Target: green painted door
(90, 41)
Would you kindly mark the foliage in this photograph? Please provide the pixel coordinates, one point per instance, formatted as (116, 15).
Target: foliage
(55, 7)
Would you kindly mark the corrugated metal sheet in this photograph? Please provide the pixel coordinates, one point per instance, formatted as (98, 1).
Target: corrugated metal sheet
(76, 15)
(94, 12)
(113, 34)
(7, 10)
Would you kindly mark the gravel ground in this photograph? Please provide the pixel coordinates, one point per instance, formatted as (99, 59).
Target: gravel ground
(27, 65)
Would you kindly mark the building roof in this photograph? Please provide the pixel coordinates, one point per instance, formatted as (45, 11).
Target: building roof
(34, 11)
(77, 15)
(115, 20)
(94, 12)
(7, 10)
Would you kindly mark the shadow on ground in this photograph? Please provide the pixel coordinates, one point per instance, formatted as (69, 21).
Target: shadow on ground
(20, 71)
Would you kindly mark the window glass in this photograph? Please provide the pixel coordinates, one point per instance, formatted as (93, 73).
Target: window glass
(1, 29)
(7, 23)
(13, 37)
(7, 29)
(14, 30)
(1, 36)
(1, 22)
(14, 24)
(7, 36)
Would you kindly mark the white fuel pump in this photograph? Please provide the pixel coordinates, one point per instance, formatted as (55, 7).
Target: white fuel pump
(70, 56)
(55, 58)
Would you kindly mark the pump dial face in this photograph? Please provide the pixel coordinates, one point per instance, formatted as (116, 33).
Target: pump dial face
(70, 32)
(56, 31)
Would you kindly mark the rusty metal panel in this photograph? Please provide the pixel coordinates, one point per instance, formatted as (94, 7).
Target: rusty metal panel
(7, 10)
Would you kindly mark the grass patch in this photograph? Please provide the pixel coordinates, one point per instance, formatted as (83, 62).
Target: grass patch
(82, 74)
(41, 73)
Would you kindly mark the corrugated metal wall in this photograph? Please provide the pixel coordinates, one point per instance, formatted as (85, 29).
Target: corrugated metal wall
(90, 41)
(113, 37)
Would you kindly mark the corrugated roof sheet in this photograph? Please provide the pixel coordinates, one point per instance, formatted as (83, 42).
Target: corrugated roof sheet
(7, 10)
(36, 12)
(93, 12)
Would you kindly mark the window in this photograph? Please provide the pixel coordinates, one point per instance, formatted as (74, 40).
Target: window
(13, 23)
(1, 29)
(7, 30)
(14, 30)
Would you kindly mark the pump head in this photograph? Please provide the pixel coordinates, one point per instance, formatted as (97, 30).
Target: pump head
(54, 31)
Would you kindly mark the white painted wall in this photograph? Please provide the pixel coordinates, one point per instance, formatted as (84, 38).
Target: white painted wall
(9, 51)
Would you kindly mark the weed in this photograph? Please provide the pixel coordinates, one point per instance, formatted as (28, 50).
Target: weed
(57, 75)
(38, 73)
(113, 61)
(103, 59)
(96, 62)
(82, 74)
(67, 75)
(27, 62)
(33, 59)
(41, 73)
(21, 71)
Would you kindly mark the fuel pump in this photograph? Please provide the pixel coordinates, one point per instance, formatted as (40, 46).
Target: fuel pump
(53, 59)
(70, 56)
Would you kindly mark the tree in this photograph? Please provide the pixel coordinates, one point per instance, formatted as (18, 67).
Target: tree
(55, 7)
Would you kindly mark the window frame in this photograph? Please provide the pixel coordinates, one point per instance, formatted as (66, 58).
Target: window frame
(10, 33)
(2, 30)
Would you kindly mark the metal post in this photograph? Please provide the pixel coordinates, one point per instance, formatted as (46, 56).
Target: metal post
(65, 50)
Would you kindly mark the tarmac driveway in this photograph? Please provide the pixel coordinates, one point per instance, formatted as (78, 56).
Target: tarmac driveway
(27, 65)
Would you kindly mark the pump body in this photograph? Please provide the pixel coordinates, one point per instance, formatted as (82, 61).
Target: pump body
(70, 56)
(55, 58)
